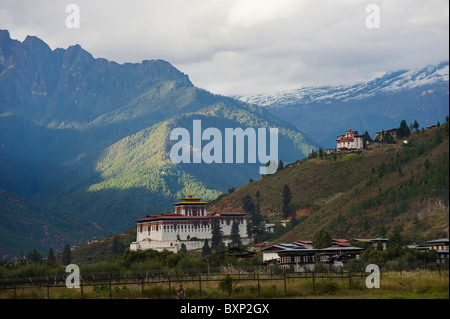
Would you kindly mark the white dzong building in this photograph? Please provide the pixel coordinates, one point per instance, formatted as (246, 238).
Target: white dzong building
(190, 224)
(350, 141)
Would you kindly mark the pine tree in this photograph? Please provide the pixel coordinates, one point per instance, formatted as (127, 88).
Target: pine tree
(34, 256)
(280, 165)
(235, 236)
(388, 139)
(51, 256)
(321, 239)
(220, 247)
(67, 255)
(313, 154)
(206, 250)
(286, 201)
(382, 231)
(366, 139)
(258, 206)
(249, 208)
(403, 130)
(396, 238)
(115, 245)
(247, 204)
(216, 232)
(321, 153)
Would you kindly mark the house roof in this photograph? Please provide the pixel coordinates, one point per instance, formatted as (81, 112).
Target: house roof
(389, 131)
(341, 242)
(190, 200)
(172, 216)
(260, 245)
(367, 240)
(334, 248)
(298, 251)
(232, 214)
(177, 216)
(418, 247)
(280, 247)
(436, 241)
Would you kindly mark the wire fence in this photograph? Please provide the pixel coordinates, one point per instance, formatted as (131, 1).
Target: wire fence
(198, 279)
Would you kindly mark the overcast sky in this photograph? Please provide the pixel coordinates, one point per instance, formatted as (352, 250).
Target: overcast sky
(243, 47)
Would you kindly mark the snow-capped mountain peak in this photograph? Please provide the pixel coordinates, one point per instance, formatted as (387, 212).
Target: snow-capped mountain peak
(389, 83)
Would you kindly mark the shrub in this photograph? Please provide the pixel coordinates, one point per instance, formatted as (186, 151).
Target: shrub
(326, 287)
(226, 284)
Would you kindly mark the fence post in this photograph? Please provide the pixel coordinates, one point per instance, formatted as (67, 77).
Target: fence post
(81, 288)
(16, 295)
(170, 289)
(259, 288)
(314, 283)
(142, 287)
(285, 288)
(48, 289)
(200, 283)
(350, 279)
(110, 292)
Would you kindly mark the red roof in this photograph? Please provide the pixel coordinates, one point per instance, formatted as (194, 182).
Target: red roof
(341, 242)
(233, 213)
(344, 240)
(177, 216)
(172, 216)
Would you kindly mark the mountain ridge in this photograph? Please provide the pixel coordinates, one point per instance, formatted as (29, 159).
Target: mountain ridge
(74, 130)
(326, 112)
(389, 82)
(354, 194)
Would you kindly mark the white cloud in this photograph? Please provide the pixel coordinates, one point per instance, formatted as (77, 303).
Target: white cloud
(251, 13)
(247, 46)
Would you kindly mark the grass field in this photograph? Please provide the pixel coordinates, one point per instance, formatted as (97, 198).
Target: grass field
(419, 284)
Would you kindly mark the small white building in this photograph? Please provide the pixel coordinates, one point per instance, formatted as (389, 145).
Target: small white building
(189, 225)
(270, 228)
(350, 141)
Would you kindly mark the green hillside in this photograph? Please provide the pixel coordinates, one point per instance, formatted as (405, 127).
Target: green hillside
(25, 226)
(90, 137)
(357, 194)
(135, 176)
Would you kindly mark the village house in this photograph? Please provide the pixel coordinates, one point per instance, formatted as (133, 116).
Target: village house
(270, 228)
(374, 242)
(270, 254)
(350, 141)
(441, 247)
(301, 256)
(337, 255)
(392, 132)
(239, 253)
(189, 225)
(421, 248)
(298, 259)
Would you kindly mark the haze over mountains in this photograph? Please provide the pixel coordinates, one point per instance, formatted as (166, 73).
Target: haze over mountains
(327, 111)
(88, 139)
(84, 142)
